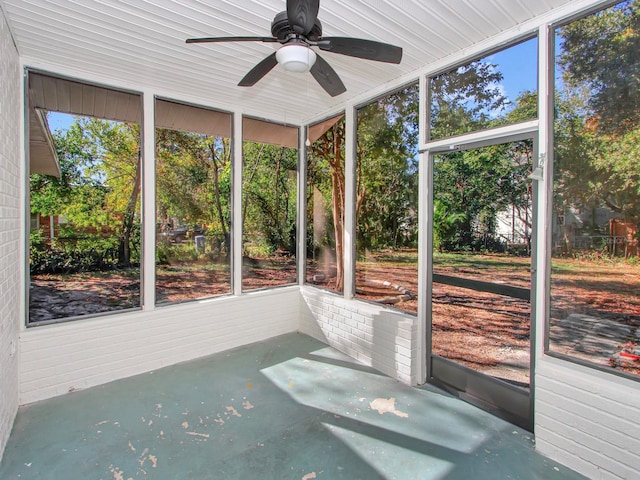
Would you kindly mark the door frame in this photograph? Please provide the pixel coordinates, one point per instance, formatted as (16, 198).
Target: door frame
(513, 403)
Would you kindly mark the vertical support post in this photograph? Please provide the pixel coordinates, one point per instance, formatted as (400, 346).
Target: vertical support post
(350, 202)
(422, 359)
(301, 253)
(236, 206)
(543, 161)
(24, 208)
(148, 195)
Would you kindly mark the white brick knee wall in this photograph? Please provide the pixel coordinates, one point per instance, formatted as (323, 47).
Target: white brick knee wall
(10, 158)
(588, 420)
(57, 359)
(379, 337)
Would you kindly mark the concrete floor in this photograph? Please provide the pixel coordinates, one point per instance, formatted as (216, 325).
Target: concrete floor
(286, 408)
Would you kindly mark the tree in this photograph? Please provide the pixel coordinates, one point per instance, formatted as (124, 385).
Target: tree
(598, 112)
(121, 170)
(193, 175)
(99, 186)
(462, 99)
(387, 171)
(51, 195)
(602, 53)
(472, 187)
(326, 173)
(269, 195)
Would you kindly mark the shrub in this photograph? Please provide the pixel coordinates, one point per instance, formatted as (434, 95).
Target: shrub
(72, 255)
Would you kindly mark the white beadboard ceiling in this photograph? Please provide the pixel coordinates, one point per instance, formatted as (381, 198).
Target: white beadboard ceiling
(141, 44)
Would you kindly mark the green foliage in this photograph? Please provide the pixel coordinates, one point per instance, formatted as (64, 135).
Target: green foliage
(472, 187)
(176, 253)
(445, 224)
(525, 108)
(193, 180)
(462, 98)
(164, 253)
(73, 255)
(259, 248)
(387, 176)
(97, 194)
(269, 197)
(602, 53)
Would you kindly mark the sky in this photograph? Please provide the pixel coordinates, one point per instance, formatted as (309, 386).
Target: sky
(59, 121)
(518, 65)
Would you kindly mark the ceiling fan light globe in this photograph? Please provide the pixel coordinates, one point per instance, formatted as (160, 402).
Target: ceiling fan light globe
(296, 58)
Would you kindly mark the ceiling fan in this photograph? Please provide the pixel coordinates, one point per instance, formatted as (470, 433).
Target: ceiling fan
(297, 30)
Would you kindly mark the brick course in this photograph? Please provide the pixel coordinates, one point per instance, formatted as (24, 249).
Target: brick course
(377, 336)
(57, 359)
(587, 420)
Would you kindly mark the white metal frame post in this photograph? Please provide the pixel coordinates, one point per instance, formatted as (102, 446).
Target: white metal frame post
(301, 253)
(349, 246)
(236, 206)
(422, 359)
(544, 183)
(148, 192)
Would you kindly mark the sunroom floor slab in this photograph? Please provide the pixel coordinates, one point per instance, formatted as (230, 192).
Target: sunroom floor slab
(286, 408)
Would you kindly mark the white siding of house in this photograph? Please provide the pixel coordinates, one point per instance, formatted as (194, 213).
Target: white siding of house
(10, 221)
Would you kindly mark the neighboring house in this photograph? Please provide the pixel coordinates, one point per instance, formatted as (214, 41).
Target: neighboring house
(597, 228)
(511, 228)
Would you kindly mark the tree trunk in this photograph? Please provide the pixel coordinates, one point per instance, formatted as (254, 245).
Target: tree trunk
(217, 196)
(247, 181)
(330, 149)
(124, 248)
(337, 203)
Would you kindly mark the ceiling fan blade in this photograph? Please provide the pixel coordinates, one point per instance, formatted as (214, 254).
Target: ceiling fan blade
(302, 15)
(358, 47)
(327, 77)
(231, 39)
(259, 71)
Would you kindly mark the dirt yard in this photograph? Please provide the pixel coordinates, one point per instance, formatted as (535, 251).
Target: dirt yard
(484, 331)
(489, 332)
(53, 297)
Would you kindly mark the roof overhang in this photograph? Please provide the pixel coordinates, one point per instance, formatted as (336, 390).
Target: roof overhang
(43, 158)
(48, 93)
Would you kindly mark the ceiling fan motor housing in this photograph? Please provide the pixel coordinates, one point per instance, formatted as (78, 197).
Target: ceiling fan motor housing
(281, 29)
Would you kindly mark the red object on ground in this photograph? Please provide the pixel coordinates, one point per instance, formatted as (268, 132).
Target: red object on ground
(630, 355)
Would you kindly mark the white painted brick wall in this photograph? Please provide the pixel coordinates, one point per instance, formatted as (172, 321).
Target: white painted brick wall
(10, 159)
(588, 420)
(56, 359)
(377, 336)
